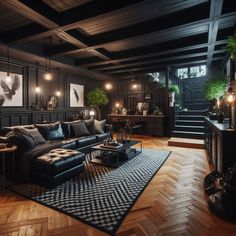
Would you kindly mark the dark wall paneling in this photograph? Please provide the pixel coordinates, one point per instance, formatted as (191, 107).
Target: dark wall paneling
(26, 115)
(127, 96)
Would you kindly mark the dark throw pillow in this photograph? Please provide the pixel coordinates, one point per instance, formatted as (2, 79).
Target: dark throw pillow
(99, 126)
(80, 130)
(21, 139)
(51, 131)
(66, 127)
(90, 125)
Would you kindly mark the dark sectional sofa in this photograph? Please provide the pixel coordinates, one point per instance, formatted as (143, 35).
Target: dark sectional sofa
(36, 158)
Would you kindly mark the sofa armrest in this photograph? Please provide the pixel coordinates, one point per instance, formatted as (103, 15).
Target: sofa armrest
(4, 139)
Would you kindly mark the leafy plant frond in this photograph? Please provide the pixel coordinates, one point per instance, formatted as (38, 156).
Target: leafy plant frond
(215, 87)
(97, 97)
(174, 88)
(231, 45)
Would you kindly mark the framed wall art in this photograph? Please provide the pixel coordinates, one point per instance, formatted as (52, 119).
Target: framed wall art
(11, 91)
(76, 95)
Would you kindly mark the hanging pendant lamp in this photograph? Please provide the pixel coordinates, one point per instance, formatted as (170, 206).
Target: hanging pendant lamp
(8, 77)
(58, 92)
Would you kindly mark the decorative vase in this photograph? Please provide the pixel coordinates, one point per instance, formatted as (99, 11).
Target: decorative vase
(221, 117)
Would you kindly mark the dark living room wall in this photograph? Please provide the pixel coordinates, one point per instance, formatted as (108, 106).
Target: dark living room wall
(25, 115)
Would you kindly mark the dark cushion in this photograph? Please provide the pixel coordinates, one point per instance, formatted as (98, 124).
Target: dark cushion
(58, 160)
(70, 143)
(99, 126)
(90, 125)
(80, 130)
(32, 133)
(6, 130)
(101, 137)
(66, 127)
(52, 131)
(21, 140)
(84, 141)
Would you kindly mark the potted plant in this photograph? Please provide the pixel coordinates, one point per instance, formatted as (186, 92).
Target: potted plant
(214, 89)
(97, 97)
(173, 89)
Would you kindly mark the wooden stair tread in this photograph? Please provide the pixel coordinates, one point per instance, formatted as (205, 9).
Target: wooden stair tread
(186, 142)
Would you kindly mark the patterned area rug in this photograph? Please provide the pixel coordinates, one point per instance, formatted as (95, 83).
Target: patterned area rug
(101, 196)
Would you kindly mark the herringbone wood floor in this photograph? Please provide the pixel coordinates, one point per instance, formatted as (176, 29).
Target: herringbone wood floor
(174, 203)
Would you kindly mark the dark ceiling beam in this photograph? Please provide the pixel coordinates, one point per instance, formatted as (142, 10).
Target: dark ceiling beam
(171, 61)
(30, 10)
(72, 18)
(142, 63)
(215, 12)
(186, 30)
(155, 68)
(94, 62)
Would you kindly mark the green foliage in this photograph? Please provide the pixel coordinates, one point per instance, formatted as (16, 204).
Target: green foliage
(231, 45)
(97, 97)
(174, 88)
(215, 87)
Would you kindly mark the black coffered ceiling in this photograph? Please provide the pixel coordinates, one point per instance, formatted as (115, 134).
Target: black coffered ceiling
(121, 38)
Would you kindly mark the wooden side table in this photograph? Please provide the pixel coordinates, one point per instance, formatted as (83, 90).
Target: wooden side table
(3, 151)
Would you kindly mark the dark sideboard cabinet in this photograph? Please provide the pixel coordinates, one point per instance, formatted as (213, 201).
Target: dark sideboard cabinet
(153, 124)
(220, 144)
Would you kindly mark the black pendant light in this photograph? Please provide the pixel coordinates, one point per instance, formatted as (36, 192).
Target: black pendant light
(58, 92)
(48, 74)
(8, 77)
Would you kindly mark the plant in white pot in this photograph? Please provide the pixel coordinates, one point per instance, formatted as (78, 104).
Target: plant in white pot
(173, 89)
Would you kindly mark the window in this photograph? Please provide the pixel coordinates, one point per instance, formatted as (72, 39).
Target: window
(192, 72)
(182, 73)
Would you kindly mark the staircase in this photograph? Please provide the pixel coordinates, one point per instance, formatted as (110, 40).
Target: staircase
(189, 124)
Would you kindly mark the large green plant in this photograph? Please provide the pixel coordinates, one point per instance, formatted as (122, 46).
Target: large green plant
(231, 45)
(97, 97)
(215, 87)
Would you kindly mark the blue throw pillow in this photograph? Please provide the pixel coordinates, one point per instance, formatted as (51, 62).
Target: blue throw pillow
(51, 131)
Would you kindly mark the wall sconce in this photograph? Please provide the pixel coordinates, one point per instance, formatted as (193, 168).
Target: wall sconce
(135, 86)
(117, 105)
(58, 92)
(8, 77)
(108, 86)
(230, 99)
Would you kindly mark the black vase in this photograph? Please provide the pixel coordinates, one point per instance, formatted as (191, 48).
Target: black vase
(221, 117)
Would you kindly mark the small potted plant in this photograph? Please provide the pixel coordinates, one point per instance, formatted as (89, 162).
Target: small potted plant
(173, 89)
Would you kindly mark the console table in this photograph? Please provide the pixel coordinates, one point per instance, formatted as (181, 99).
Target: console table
(220, 144)
(154, 124)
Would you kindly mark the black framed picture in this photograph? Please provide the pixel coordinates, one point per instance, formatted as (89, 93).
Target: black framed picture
(11, 89)
(76, 95)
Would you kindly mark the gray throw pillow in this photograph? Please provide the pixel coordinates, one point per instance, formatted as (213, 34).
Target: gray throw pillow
(99, 126)
(90, 125)
(80, 130)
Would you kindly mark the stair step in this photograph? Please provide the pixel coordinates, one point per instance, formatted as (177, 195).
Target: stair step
(188, 134)
(190, 122)
(195, 128)
(187, 143)
(189, 117)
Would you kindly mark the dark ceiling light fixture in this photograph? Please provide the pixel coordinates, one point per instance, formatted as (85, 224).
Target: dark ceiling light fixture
(48, 74)
(8, 77)
(58, 92)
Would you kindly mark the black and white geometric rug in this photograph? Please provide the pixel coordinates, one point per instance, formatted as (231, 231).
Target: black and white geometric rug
(101, 197)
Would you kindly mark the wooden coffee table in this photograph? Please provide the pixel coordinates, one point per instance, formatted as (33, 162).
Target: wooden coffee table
(114, 157)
